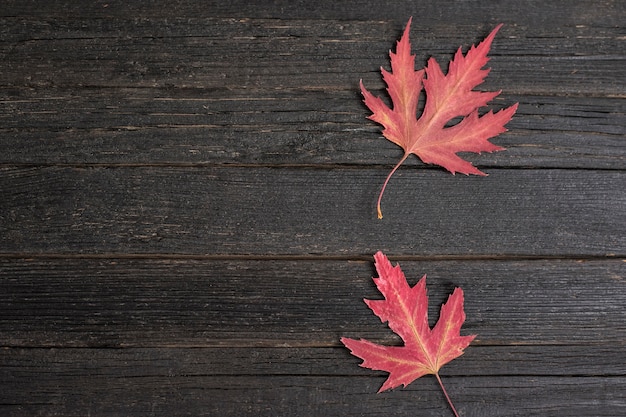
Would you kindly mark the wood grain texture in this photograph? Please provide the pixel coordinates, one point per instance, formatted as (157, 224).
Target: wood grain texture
(269, 395)
(187, 216)
(533, 361)
(280, 211)
(264, 303)
(298, 55)
(202, 127)
(162, 381)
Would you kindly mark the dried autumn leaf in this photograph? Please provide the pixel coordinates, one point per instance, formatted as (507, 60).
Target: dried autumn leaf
(448, 97)
(405, 309)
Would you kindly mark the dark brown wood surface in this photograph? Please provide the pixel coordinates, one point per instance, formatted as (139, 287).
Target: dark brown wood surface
(187, 212)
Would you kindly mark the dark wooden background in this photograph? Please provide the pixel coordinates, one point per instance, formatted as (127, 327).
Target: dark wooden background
(188, 194)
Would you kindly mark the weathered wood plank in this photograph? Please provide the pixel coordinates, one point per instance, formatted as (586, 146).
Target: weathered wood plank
(203, 303)
(347, 39)
(197, 381)
(155, 126)
(450, 13)
(26, 364)
(258, 211)
(309, 395)
(238, 54)
(57, 110)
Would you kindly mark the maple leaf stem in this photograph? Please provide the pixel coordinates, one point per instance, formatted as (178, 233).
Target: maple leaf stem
(446, 394)
(380, 196)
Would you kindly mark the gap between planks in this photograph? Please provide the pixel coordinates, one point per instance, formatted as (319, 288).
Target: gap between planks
(308, 257)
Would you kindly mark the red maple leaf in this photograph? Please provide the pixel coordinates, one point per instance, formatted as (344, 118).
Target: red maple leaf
(448, 97)
(405, 309)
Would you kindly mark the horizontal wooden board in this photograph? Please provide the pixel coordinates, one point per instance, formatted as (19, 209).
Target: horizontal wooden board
(450, 13)
(204, 127)
(281, 303)
(26, 364)
(262, 381)
(302, 211)
(204, 395)
(235, 54)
